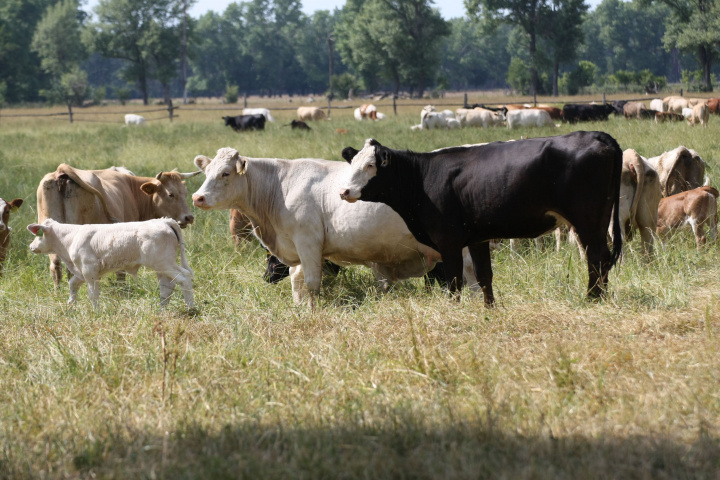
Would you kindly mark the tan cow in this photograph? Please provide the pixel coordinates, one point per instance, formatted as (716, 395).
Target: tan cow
(680, 169)
(640, 195)
(676, 104)
(240, 226)
(697, 207)
(634, 110)
(5, 209)
(310, 113)
(700, 114)
(71, 195)
(554, 112)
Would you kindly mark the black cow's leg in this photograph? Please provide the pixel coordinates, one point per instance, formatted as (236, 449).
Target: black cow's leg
(453, 265)
(483, 270)
(598, 258)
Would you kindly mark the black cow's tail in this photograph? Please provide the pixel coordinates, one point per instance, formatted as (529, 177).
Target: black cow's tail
(617, 234)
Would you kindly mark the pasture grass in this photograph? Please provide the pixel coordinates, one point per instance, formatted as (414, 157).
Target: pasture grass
(404, 384)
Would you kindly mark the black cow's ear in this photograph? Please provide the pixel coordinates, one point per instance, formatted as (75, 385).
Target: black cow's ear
(384, 158)
(349, 153)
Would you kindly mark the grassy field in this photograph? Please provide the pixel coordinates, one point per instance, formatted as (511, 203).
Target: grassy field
(407, 384)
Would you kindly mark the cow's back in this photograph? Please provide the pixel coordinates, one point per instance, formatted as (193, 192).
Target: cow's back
(65, 201)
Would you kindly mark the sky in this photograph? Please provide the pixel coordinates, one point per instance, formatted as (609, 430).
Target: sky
(448, 8)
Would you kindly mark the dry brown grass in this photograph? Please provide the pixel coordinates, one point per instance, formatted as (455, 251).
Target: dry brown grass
(407, 384)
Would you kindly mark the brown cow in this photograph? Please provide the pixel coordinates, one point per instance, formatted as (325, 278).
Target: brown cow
(680, 169)
(697, 207)
(5, 209)
(71, 195)
(714, 105)
(240, 226)
(555, 113)
(634, 110)
(639, 198)
(661, 117)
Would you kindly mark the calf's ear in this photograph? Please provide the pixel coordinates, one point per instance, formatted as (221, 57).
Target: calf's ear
(201, 161)
(34, 228)
(150, 188)
(349, 153)
(15, 204)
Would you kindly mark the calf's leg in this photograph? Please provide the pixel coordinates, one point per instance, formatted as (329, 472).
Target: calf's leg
(167, 287)
(74, 283)
(482, 265)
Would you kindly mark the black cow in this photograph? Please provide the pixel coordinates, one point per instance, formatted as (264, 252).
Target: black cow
(586, 113)
(276, 270)
(619, 105)
(465, 196)
(240, 123)
(298, 125)
(502, 109)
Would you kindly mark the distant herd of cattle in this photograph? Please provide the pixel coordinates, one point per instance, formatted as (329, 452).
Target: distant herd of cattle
(419, 214)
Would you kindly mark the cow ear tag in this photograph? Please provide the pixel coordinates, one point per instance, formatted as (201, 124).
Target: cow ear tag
(241, 166)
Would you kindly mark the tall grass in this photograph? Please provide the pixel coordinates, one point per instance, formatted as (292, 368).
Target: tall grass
(404, 384)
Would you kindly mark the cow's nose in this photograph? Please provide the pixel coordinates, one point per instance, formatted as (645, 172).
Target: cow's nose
(198, 200)
(189, 218)
(345, 193)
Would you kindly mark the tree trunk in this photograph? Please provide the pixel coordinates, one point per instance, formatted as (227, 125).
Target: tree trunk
(142, 81)
(533, 69)
(556, 70)
(705, 55)
(421, 87)
(183, 55)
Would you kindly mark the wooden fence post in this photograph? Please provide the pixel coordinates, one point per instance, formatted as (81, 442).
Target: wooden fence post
(329, 97)
(535, 99)
(245, 100)
(604, 98)
(465, 104)
(70, 112)
(395, 104)
(170, 110)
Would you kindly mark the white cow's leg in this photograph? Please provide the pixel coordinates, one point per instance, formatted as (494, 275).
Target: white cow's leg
(311, 261)
(167, 287)
(93, 283)
(74, 283)
(297, 281)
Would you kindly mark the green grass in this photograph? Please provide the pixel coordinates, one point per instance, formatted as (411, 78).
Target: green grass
(403, 384)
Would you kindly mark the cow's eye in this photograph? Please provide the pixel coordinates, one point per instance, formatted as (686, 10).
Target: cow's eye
(225, 174)
(371, 165)
(171, 195)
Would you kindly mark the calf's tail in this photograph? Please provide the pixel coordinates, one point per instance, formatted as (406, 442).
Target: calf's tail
(181, 242)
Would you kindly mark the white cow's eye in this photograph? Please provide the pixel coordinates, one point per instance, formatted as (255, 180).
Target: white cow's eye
(371, 165)
(225, 174)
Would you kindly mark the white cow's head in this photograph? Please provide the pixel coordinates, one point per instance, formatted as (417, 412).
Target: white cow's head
(5, 210)
(41, 244)
(221, 179)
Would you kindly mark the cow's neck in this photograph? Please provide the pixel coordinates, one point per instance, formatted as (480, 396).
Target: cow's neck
(143, 202)
(60, 237)
(262, 194)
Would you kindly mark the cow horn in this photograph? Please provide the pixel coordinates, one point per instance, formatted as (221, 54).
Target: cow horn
(158, 176)
(188, 175)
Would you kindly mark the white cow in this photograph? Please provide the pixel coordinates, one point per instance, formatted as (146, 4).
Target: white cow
(658, 105)
(90, 251)
(429, 118)
(259, 111)
(482, 117)
(453, 123)
(132, 119)
(529, 118)
(297, 214)
(687, 112)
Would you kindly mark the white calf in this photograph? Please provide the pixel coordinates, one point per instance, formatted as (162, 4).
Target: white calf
(259, 111)
(132, 119)
(91, 251)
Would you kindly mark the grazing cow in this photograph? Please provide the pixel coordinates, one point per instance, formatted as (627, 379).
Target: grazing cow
(680, 169)
(5, 209)
(619, 106)
(529, 118)
(510, 107)
(658, 105)
(296, 216)
(676, 104)
(259, 111)
(367, 110)
(453, 123)
(91, 251)
(501, 109)
(241, 123)
(574, 113)
(310, 113)
(554, 112)
(461, 196)
(430, 119)
(640, 195)
(700, 113)
(697, 207)
(634, 110)
(661, 117)
(479, 117)
(714, 105)
(71, 195)
(298, 125)
(240, 227)
(132, 119)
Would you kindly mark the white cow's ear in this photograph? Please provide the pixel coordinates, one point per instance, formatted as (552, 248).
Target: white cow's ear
(201, 161)
(34, 228)
(150, 188)
(241, 166)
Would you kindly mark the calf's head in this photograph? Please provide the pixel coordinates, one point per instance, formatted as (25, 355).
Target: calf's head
(222, 175)
(169, 196)
(41, 244)
(366, 173)
(5, 209)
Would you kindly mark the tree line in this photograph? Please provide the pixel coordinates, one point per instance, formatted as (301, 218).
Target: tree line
(54, 50)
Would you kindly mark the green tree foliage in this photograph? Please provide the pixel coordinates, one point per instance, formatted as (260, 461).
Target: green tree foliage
(342, 84)
(398, 40)
(582, 76)
(695, 26)
(562, 30)
(518, 76)
(136, 31)
(57, 38)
